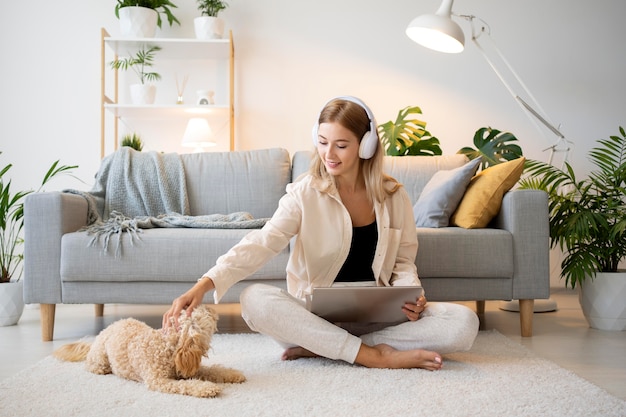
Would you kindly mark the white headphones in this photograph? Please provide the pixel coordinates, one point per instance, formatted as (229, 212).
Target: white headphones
(370, 140)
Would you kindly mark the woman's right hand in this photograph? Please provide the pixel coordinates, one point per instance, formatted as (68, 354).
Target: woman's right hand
(187, 301)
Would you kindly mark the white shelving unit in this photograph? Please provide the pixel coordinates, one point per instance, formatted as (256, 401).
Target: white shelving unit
(171, 49)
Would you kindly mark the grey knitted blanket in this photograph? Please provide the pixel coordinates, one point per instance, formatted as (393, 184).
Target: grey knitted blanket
(136, 190)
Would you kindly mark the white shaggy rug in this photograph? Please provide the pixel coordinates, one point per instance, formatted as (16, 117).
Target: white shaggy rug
(498, 377)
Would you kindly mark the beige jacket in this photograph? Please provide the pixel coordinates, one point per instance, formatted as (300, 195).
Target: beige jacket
(322, 229)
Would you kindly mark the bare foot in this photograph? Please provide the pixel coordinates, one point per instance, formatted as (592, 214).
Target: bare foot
(297, 353)
(384, 356)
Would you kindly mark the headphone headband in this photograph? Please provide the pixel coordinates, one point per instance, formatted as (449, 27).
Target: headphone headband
(369, 141)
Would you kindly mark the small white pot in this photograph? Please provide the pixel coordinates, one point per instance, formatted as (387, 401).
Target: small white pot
(138, 22)
(11, 302)
(142, 93)
(208, 27)
(603, 301)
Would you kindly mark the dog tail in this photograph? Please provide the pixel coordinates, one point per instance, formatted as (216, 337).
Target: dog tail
(73, 352)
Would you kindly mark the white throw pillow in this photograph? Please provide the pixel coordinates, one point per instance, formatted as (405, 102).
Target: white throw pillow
(442, 194)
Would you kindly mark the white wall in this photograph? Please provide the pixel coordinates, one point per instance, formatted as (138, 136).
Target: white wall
(292, 56)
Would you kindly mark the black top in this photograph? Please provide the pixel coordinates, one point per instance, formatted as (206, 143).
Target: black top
(358, 265)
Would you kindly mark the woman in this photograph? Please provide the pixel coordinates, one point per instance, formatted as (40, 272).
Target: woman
(350, 222)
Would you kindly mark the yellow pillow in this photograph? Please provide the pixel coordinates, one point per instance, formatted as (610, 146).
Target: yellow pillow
(483, 197)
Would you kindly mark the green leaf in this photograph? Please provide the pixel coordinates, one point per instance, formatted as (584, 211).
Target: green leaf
(588, 216)
(408, 135)
(493, 146)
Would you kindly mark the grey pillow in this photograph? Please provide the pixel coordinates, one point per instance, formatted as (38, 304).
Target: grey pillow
(442, 194)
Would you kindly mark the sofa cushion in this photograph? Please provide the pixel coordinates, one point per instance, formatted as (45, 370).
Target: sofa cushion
(483, 197)
(155, 255)
(415, 171)
(412, 171)
(442, 194)
(227, 182)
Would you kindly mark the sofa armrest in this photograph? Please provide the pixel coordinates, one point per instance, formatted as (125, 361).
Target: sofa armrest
(47, 217)
(524, 213)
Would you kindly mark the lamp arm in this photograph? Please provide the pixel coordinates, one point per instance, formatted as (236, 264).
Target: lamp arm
(529, 110)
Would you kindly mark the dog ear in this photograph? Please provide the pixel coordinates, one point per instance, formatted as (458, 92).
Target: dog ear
(188, 356)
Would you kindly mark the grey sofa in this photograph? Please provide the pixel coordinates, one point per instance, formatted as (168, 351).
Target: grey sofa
(507, 260)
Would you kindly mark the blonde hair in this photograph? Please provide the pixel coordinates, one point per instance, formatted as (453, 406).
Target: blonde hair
(354, 118)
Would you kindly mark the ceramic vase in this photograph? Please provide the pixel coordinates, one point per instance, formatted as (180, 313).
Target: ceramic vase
(208, 27)
(138, 22)
(142, 94)
(11, 302)
(603, 301)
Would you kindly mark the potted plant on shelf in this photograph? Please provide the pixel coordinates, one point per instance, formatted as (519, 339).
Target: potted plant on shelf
(11, 225)
(132, 141)
(140, 18)
(209, 25)
(588, 222)
(143, 93)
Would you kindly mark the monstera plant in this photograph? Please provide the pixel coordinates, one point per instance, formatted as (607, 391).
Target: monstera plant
(493, 146)
(408, 135)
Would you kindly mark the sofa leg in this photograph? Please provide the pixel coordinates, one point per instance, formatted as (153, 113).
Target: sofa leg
(99, 310)
(480, 307)
(46, 312)
(480, 312)
(526, 309)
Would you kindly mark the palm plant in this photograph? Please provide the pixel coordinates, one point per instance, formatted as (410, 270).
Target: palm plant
(160, 6)
(12, 220)
(493, 146)
(408, 135)
(588, 216)
(211, 7)
(143, 59)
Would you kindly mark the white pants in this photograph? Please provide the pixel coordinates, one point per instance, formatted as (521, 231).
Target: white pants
(443, 327)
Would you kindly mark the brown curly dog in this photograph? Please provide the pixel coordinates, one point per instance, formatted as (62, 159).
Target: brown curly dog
(167, 362)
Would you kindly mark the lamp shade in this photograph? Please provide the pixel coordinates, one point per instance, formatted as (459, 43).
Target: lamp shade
(198, 134)
(437, 31)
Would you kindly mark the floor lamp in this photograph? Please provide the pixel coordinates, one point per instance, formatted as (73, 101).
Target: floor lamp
(440, 33)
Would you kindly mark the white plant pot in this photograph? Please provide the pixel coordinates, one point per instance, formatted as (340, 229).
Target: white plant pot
(11, 303)
(142, 93)
(603, 301)
(208, 27)
(138, 22)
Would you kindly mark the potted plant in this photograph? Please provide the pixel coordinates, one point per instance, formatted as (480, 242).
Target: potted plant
(142, 93)
(132, 141)
(209, 25)
(588, 222)
(140, 18)
(11, 225)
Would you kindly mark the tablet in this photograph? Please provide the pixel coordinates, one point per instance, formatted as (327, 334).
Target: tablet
(362, 304)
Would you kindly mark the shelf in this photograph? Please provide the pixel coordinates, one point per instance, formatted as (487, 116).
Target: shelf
(173, 48)
(164, 111)
(185, 49)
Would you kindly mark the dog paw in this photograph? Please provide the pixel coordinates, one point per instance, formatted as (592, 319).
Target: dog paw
(235, 377)
(209, 391)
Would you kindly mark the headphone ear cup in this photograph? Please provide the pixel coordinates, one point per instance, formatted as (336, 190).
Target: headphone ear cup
(314, 134)
(368, 145)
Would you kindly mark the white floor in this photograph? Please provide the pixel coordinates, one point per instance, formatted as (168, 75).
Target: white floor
(562, 336)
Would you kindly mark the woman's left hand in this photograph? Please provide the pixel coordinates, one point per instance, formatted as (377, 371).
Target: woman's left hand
(413, 310)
